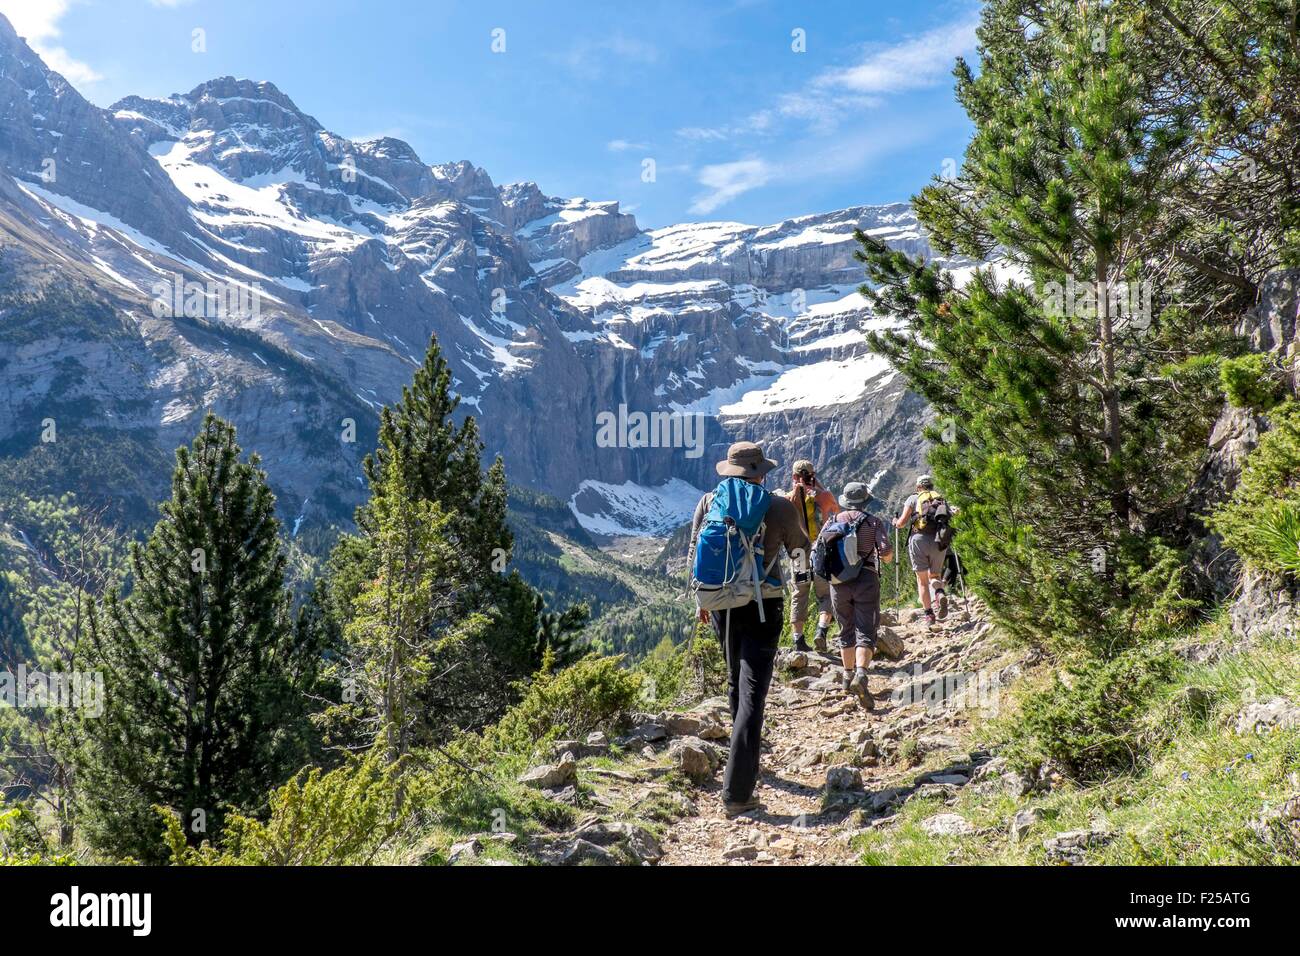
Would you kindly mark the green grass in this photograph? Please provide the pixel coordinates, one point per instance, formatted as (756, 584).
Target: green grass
(1190, 802)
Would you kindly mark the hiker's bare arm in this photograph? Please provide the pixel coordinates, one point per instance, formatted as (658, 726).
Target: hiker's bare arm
(696, 520)
(905, 518)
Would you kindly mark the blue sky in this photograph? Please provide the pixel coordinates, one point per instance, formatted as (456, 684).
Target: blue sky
(737, 123)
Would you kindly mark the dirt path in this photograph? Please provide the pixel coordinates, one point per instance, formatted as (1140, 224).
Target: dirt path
(830, 767)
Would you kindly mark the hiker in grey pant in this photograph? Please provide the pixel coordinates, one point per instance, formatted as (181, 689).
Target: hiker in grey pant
(923, 551)
(857, 602)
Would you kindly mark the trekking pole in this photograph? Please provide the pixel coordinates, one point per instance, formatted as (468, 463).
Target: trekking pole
(965, 597)
(898, 583)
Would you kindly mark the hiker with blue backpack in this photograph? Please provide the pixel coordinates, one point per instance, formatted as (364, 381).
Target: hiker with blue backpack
(737, 534)
(848, 553)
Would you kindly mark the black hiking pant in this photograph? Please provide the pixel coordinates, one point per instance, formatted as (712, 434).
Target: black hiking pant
(750, 651)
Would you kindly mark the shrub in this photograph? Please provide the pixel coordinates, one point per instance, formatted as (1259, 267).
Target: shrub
(1252, 381)
(341, 818)
(1088, 726)
(21, 843)
(566, 704)
(683, 674)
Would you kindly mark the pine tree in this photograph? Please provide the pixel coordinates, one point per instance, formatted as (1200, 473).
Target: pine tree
(1077, 404)
(205, 679)
(404, 619)
(13, 636)
(503, 631)
(443, 464)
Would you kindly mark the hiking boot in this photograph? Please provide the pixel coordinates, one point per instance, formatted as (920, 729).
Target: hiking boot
(943, 604)
(801, 645)
(929, 618)
(858, 687)
(846, 681)
(819, 640)
(737, 808)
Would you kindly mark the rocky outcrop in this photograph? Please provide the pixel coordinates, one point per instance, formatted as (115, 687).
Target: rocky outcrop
(1260, 603)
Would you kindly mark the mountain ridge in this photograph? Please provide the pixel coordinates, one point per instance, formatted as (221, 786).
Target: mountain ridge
(546, 308)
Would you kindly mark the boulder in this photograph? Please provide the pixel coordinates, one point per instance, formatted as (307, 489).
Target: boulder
(552, 776)
(695, 758)
(843, 778)
(465, 850)
(947, 824)
(1023, 822)
(989, 770)
(1276, 713)
(638, 842)
(792, 660)
(1280, 825)
(807, 757)
(889, 644)
(933, 791)
(883, 799)
(597, 741)
(650, 732)
(713, 729)
(859, 736)
(1071, 847)
(684, 725)
(584, 851)
(950, 779)
(742, 851)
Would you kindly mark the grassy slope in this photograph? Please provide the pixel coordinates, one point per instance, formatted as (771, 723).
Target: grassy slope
(1200, 786)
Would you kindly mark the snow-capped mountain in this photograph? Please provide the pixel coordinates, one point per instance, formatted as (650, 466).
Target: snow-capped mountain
(555, 314)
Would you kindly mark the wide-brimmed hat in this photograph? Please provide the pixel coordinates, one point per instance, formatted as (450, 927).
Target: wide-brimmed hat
(854, 495)
(745, 460)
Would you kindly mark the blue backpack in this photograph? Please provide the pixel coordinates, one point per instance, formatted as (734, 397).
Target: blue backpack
(835, 556)
(728, 566)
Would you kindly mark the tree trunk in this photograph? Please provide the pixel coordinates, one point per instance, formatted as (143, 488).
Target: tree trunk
(1119, 502)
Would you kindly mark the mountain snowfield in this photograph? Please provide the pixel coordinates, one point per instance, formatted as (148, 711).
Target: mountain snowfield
(549, 310)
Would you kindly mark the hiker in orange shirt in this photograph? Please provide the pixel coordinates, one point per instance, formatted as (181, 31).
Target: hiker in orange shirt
(817, 506)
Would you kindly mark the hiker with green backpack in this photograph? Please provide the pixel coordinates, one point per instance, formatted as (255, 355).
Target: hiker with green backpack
(737, 534)
(929, 517)
(848, 554)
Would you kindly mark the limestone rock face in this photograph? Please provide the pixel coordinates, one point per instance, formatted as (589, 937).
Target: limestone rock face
(1261, 605)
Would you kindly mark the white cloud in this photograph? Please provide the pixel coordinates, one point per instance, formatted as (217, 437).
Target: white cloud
(592, 58)
(37, 21)
(726, 181)
(703, 133)
(918, 62)
(913, 64)
(624, 146)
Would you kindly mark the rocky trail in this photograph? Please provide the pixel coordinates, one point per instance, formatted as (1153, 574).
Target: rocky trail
(830, 769)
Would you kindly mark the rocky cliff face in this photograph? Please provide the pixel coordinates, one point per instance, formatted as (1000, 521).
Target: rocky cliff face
(255, 263)
(1261, 605)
